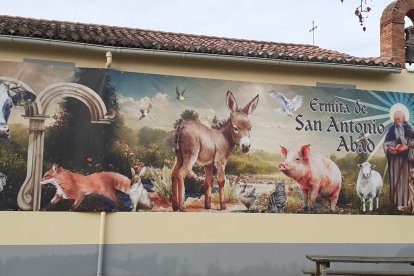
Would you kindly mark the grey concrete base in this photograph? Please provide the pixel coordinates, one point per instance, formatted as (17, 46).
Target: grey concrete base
(182, 259)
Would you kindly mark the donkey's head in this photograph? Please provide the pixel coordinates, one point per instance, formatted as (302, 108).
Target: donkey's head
(240, 123)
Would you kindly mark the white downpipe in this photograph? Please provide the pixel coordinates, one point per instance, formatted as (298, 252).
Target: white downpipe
(101, 244)
(108, 59)
(198, 56)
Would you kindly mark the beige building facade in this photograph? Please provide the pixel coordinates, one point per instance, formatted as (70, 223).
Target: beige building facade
(34, 228)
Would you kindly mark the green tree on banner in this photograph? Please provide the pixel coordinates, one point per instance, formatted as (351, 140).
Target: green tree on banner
(186, 116)
(77, 144)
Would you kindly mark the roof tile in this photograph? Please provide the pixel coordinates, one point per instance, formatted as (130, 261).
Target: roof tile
(147, 39)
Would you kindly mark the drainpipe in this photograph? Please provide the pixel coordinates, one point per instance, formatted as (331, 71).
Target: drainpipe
(101, 244)
(108, 59)
(198, 56)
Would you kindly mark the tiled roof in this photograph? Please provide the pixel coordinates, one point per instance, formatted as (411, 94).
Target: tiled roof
(177, 42)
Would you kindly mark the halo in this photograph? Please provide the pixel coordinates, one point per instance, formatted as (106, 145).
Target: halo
(399, 107)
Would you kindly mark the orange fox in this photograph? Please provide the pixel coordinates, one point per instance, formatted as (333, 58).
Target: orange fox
(70, 185)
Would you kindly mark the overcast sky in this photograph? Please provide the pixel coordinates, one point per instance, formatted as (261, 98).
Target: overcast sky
(271, 20)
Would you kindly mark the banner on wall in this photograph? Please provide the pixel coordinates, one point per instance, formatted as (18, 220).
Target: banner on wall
(104, 140)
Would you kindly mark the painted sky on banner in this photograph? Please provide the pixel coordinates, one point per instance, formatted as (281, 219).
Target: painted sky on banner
(270, 128)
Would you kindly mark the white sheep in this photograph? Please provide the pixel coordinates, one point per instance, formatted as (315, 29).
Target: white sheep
(369, 184)
(139, 196)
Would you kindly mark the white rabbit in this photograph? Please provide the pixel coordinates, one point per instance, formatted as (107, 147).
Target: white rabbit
(139, 196)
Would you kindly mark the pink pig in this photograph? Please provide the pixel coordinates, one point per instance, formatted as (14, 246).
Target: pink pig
(316, 174)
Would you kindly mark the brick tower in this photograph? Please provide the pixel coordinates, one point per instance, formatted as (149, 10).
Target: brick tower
(392, 30)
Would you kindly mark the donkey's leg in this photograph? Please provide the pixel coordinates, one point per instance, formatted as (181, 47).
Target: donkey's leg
(188, 163)
(181, 188)
(221, 179)
(208, 184)
(175, 180)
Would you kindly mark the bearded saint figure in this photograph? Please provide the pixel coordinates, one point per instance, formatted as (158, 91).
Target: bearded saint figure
(396, 148)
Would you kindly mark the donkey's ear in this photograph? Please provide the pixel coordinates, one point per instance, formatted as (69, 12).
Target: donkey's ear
(231, 102)
(250, 107)
(54, 167)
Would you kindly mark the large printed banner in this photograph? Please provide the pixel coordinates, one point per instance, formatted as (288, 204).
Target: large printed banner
(87, 139)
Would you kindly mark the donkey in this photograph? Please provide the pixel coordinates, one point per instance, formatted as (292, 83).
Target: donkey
(209, 147)
(9, 97)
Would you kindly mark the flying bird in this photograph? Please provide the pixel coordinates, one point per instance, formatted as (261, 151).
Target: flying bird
(288, 106)
(180, 94)
(145, 113)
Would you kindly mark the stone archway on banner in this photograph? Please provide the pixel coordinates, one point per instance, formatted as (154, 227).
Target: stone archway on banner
(30, 191)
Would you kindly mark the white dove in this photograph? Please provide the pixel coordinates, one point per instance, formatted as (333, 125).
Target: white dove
(145, 113)
(288, 106)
